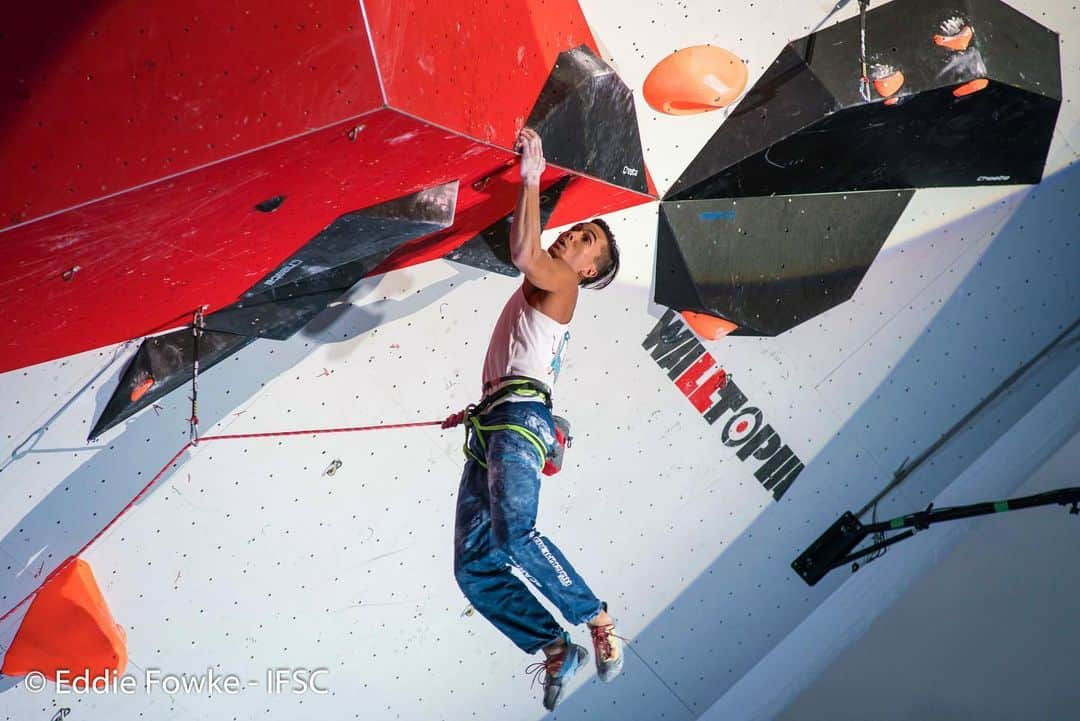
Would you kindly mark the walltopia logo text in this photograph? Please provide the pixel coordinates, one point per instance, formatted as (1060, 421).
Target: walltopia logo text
(676, 349)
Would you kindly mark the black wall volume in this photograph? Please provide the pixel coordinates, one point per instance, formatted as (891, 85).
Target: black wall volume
(961, 94)
(769, 264)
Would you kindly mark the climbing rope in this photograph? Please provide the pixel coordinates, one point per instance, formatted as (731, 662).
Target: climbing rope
(449, 422)
(198, 326)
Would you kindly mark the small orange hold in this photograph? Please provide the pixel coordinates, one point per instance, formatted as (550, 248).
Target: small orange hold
(140, 390)
(888, 81)
(707, 326)
(968, 88)
(892, 101)
(695, 80)
(958, 40)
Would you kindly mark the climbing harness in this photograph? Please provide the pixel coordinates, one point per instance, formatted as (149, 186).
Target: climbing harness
(501, 390)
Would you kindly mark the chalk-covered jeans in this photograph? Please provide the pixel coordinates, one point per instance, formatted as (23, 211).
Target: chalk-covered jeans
(495, 529)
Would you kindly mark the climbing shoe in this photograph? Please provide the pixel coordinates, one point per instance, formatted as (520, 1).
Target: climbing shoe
(609, 650)
(557, 670)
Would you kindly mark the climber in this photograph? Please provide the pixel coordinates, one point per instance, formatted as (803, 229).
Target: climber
(513, 440)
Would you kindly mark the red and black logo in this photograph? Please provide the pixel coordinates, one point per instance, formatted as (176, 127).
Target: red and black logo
(696, 373)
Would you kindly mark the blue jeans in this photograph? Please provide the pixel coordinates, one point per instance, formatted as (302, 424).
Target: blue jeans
(495, 529)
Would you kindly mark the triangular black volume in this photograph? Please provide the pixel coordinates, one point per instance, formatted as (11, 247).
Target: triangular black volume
(332, 262)
(490, 249)
(280, 318)
(585, 116)
(162, 364)
(768, 264)
(980, 114)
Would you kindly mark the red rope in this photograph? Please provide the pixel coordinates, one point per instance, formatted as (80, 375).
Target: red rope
(228, 437)
(316, 431)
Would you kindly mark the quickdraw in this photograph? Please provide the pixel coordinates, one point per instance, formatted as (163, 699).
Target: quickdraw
(198, 325)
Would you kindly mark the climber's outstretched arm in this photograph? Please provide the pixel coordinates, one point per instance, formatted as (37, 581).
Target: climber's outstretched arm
(539, 267)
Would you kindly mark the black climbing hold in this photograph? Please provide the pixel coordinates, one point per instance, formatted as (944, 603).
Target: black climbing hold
(271, 204)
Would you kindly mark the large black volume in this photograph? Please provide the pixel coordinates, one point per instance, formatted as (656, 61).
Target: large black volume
(980, 94)
(769, 264)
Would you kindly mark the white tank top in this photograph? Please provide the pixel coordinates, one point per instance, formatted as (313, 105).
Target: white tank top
(525, 342)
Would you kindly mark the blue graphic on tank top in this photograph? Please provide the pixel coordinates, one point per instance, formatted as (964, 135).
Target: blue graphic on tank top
(556, 361)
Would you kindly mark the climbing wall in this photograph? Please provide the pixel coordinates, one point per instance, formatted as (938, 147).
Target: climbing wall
(683, 500)
(198, 160)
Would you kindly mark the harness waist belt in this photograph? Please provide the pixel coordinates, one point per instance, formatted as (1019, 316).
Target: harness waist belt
(503, 388)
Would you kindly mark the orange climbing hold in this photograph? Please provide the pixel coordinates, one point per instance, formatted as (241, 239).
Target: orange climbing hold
(968, 88)
(707, 326)
(695, 80)
(140, 390)
(958, 41)
(69, 627)
(888, 82)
